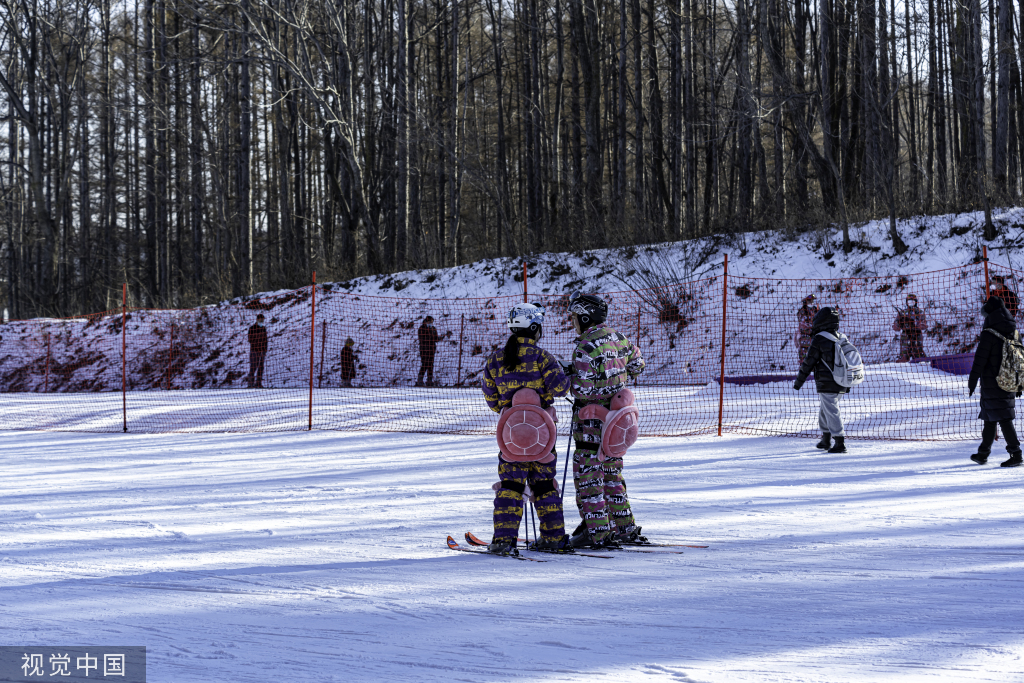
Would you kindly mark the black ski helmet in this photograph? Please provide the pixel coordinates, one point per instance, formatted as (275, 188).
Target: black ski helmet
(826, 320)
(590, 309)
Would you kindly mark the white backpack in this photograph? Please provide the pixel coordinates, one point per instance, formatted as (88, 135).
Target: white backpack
(848, 370)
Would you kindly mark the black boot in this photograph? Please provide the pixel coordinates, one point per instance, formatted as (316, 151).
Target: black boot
(581, 537)
(1014, 460)
(551, 545)
(826, 441)
(631, 537)
(980, 458)
(840, 445)
(503, 546)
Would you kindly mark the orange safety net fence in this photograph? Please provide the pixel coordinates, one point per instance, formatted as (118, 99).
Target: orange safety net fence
(190, 370)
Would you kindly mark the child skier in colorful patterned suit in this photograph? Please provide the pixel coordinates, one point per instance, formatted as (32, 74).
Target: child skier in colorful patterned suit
(604, 360)
(521, 364)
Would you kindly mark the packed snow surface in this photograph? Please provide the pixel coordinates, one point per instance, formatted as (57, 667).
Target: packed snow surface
(321, 556)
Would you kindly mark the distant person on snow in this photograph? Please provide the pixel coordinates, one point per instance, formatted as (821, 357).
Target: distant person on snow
(821, 360)
(348, 361)
(603, 361)
(428, 338)
(997, 405)
(1009, 297)
(257, 352)
(911, 324)
(522, 364)
(804, 323)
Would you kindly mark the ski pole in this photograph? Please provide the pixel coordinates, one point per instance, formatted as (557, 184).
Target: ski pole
(533, 518)
(525, 523)
(568, 447)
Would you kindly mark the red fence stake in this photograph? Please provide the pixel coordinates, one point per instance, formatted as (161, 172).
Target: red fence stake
(312, 349)
(124, 355)
(984, 258)
(525, 275)
(721, 382)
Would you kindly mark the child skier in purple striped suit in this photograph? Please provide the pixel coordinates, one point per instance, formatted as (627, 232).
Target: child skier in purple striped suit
(521, 364)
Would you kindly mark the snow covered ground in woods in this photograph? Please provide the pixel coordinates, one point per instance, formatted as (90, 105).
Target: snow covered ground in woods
(934, 243)
(321, 556)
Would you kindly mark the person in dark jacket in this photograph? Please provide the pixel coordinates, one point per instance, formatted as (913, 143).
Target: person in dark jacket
(820, 360)
(997, 406)
(428, 338)
(348, 362)
(911, 324)
(257, 352)
(1008, 296)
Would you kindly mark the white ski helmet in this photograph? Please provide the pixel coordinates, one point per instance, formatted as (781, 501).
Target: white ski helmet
(523, 317)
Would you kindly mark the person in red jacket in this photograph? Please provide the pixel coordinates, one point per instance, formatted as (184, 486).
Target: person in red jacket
(428, 338)
(1008, 296)
(804, 323)
(257, 352)
(348, 363)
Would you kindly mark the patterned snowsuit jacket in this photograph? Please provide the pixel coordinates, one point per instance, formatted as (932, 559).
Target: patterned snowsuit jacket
(537, 370)
(603, 362)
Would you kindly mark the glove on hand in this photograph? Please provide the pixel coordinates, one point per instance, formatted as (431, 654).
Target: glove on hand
(797, 385)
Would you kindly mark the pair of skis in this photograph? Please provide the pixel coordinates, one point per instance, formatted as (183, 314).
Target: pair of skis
(476, 545)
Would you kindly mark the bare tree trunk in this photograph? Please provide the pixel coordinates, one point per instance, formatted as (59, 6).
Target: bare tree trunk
(1002, 107)
(586, 41)
(454, 167)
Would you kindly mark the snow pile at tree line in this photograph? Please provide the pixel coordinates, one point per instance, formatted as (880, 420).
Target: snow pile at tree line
(207, 347)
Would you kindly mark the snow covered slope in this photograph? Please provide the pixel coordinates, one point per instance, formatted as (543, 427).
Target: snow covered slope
(935, 243)
(275, 558)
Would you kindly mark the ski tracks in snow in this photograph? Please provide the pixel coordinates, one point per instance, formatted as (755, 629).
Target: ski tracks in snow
(301, 556)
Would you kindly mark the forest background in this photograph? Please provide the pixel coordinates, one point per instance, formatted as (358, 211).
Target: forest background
(202, 150)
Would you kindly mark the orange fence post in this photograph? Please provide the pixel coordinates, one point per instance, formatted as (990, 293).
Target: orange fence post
(124, 355)
(721, 381)
(312, 349)
(984, 259)
(525, 275)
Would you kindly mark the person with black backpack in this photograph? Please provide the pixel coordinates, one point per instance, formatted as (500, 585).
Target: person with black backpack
(998, 403)
(820, 360)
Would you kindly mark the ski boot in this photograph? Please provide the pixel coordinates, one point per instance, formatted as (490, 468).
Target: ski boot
(631, 536)
(550, 545)
(503, 546)
(585, 540)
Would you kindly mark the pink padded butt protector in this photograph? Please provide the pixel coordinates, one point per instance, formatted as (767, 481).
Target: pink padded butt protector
(525, 432)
